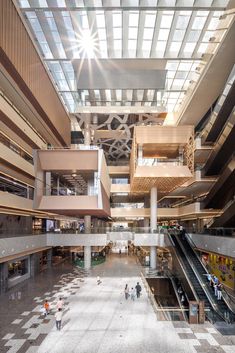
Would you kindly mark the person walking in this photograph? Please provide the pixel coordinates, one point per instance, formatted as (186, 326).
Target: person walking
(126, 291)
(58, 318)
(138, 289)
(60, 304)
(133, 294)
(46, 306)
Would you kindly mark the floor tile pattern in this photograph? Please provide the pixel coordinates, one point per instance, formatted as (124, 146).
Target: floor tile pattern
(97, 318)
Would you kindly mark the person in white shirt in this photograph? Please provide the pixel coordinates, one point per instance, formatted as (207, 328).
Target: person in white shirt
(58, 318)
(133, 291)
(60, 304)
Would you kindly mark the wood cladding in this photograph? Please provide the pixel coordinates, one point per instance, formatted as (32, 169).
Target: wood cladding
(165, 177)
(21, 60)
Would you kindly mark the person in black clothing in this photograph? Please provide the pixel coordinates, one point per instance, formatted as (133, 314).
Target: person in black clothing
(138, 289)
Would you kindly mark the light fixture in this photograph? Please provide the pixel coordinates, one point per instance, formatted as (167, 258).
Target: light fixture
(74, 175)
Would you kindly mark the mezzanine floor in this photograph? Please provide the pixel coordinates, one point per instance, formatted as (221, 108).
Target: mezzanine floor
(96, 318)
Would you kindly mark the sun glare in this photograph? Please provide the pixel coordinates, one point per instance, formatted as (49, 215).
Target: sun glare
(88, 44)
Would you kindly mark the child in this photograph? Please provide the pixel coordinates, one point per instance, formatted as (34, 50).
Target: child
(46, 307)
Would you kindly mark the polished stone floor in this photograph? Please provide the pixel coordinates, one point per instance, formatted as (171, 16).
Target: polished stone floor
(97, 318)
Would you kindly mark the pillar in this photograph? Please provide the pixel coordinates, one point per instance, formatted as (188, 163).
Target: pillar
(153, 209)
(153, 257)
(87, 249)
(153, 225)
(49, 258)
(3, 277)
(146, 219)
(48, 183)
(87, 257)
(87, 130)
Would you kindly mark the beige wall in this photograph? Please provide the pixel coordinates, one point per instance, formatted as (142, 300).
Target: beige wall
(60, 203)
(192, 209)
(13, 118)
(163, 134)
(104, 175)
(118, 170)
(9, 156)
(14, 201)
(160, 171)
(69, 160)
(18, 53)
(120, 188)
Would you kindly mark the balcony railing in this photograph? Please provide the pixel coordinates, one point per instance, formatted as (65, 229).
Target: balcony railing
(159, 162)
(65, 191)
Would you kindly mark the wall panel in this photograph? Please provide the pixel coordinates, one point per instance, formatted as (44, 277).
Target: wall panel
(21, 60)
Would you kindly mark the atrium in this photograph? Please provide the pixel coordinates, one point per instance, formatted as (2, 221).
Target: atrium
(117, 176)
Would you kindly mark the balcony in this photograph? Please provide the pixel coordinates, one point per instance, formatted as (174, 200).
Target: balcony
(72, 182)
(161, 156)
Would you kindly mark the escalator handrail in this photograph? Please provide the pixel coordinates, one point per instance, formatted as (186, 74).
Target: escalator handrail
(178, 298)
(191, 242)
(184, 269)
(214, 305)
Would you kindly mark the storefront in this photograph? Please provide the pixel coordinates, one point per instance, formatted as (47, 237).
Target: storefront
(18, 271)
(221, 266)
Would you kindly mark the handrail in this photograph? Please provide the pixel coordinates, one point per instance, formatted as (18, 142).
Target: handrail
(177, 296)
(184, 270)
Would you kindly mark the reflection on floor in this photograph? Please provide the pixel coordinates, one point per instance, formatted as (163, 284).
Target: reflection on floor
(97, 318)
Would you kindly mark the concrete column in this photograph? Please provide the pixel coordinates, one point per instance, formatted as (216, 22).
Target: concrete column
(49, 258)
(87, 249)
(153, 257)
(48, 183)
(146, 205)
(87, 257)
(153, 225)
(153, 209)
(87, 224)
(87, 130)
(58, 185)
(3, 277)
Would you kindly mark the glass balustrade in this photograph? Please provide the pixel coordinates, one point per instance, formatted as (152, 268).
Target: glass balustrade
(151, 162)
(71, 191)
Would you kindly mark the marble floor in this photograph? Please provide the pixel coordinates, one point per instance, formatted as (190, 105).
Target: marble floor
(97, 318)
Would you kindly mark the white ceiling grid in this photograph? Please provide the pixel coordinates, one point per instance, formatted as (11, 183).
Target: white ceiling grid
(175, 30)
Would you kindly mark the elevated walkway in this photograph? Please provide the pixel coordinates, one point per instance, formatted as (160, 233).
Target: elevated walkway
(25, 244)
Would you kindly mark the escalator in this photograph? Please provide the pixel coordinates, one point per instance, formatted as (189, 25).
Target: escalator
(216, 310)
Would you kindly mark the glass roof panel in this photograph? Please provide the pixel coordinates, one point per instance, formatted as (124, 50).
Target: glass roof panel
(117, 19)
(133, 32)
(163, 34)
(166, 21)
(198, 22)
(148, 33)
(150, 19)
(133, 19)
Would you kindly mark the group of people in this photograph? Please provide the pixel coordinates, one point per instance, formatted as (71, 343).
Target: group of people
(133, 292)
(215, 283)
(58, 314)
